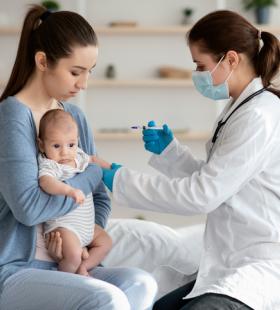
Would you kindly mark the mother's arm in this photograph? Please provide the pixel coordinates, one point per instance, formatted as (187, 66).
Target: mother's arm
(101, 200)
(19, 176)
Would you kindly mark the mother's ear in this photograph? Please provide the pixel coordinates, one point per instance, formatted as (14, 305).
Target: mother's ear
(41, 61)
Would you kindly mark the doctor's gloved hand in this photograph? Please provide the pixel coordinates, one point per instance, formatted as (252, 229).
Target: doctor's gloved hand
(156, 140)
(109, 174)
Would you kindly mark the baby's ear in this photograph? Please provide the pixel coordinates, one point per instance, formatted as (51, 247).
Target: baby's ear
(40, 145)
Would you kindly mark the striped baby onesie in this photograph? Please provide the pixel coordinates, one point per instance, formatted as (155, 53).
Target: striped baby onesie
(81, 220)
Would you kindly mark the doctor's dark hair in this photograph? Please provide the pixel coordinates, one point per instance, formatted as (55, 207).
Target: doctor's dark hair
(221, 31)
(55, 34)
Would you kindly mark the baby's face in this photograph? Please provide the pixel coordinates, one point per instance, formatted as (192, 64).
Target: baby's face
(60, 143)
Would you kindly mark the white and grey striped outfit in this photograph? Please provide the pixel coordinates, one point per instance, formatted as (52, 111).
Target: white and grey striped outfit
(81, 220)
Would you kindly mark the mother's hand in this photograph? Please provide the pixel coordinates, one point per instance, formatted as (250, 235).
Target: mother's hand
(54, 245)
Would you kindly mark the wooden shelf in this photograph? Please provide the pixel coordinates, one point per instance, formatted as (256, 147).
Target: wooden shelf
(130, 136)
(134, 83)
(118, 30)
(141, 30)
(9, 31)
(141, 83)
(165, 30)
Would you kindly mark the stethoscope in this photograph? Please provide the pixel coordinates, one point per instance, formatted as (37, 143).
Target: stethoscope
(221, 123)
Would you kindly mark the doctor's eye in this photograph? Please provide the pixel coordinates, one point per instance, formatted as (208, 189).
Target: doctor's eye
(199, 68)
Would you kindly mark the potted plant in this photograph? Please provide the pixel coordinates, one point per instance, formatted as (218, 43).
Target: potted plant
(187, 13)
(51, 5)
(261, 8)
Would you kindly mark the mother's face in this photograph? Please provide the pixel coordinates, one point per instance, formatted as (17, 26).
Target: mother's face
(70, 74)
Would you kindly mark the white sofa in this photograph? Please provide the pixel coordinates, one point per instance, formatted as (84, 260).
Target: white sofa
(171, 255)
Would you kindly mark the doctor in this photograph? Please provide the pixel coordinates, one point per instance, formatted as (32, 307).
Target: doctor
(238, 187)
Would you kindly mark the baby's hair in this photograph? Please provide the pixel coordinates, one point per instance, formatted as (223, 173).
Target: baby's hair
(222, 31)
(54, 117)
(55, 34)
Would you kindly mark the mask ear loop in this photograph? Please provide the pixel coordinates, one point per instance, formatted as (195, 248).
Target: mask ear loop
(217, 64)
(228, 77)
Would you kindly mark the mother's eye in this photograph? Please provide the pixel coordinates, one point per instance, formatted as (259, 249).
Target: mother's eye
(75, 73)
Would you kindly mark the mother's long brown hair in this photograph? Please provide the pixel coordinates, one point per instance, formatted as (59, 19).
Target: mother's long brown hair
(221, 31)
(55, 34)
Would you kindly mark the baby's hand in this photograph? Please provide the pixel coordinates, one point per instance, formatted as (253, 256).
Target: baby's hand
(77, 195)
(99, 161)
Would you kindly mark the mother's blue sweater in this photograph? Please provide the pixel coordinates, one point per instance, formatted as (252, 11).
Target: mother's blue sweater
(23, 204)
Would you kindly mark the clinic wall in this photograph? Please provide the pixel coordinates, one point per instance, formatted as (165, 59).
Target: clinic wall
(136, 57)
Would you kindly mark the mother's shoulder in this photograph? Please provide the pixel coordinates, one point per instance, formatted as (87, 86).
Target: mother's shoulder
(11, 108)
(72, 108)
(77, 113)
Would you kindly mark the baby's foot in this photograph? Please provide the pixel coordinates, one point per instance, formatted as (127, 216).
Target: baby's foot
(82, 271)
(85, 254)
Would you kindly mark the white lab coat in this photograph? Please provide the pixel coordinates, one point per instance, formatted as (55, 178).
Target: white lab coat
(239, 190)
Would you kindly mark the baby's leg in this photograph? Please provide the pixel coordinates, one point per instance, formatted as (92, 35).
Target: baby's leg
(97, 250)
(71, 251)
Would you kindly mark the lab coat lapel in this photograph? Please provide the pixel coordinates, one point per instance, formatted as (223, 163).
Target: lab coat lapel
(255, 85)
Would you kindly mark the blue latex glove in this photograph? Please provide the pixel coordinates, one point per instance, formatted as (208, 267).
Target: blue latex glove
(157, 140)
(108, 175)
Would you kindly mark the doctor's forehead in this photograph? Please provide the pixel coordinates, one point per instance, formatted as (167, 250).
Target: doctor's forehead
(198, 55)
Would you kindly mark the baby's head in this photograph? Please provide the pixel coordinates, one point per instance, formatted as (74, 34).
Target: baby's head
(58, 136)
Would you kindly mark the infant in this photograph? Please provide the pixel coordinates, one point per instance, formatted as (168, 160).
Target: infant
(59, 159)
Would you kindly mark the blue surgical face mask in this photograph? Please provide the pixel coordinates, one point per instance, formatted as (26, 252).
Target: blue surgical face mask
(204, 84)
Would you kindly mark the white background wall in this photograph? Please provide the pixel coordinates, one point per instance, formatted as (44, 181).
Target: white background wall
(136, 57)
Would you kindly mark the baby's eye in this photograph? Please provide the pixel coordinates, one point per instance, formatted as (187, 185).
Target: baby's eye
(56, 146)
(71, 144)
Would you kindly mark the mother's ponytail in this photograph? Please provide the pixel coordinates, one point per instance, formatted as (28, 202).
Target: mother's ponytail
(268, 60)
(24, 63)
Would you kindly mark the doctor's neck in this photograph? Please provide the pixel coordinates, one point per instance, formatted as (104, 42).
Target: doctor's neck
(242, 76)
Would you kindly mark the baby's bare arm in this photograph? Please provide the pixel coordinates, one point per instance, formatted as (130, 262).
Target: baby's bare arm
(53, 186)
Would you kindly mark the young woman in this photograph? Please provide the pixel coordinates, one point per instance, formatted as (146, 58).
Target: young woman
(56, 54)
(238, 185)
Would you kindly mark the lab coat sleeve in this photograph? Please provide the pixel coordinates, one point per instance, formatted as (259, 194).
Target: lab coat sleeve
(240, 155)
(176, 161)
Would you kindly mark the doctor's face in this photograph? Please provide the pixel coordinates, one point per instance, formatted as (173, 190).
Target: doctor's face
(206, 62)
(70, 75)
